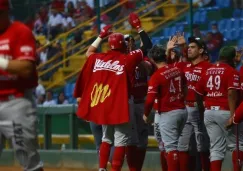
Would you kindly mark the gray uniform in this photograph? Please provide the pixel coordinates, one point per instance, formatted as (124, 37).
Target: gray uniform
(220, 138)
(18, 122)
(122, 134)
(157, 132)
(194, 125)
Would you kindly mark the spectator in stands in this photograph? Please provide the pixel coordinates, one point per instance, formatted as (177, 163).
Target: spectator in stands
(58, 4)
(55, 23)
(70, 9)
(197, 32)
(126, 9)
(49, 99)
(215, 42)
(38, 26)
(62, 99)
(85, 10)
(67, 22)
(40, 90)
(239, 58)
(40, 100)
(73, 1)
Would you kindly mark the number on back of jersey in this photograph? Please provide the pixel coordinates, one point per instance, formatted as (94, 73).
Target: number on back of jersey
(174, 82)
(214, 82)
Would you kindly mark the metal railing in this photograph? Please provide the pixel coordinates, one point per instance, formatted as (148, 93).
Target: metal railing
(182, 8)
(64, 37)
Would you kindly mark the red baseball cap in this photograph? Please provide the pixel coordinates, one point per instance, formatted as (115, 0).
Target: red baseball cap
(4, 5)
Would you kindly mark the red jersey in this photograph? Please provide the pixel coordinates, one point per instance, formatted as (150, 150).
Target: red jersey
(238, 115)
(103, 87)
(17, 43)
(140, 85)
(165, 85)
(193, 74)
(241, 81)
(181, 65)
(215, 83)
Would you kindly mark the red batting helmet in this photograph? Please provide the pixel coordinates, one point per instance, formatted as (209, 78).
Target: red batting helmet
(117, 41)
(4, 5)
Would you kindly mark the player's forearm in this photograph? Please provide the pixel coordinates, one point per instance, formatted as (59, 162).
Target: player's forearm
(146, 41)
(238, 115)
(22, 68)
(94, 46)
(149, 104)
(232, 100)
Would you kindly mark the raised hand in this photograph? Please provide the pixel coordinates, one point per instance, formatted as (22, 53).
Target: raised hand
(171, 43)
(106, 31)
(134, 21)
(180, 38)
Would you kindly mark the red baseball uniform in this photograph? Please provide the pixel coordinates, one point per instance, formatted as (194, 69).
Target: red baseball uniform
(238, 116)
(105, 77)
(18, 43)
(193, 74)
(140, 84)
(165, 85)
(214, 85)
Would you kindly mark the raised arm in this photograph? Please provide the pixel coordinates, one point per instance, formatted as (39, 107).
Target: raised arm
(106, 31)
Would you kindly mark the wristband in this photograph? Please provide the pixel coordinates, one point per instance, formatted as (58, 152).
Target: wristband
(3, 63)
(140, 30)
(96, 43)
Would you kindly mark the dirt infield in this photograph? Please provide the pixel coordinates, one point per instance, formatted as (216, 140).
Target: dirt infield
(46, 169)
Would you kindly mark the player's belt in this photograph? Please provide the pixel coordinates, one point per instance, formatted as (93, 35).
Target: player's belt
(191, 104)
(216, 108)
(4, 98)
(138, 101)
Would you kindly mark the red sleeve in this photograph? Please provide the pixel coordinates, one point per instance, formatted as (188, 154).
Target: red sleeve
(234, 80)
(238, 115)
(83, 77)
(200, 86)
(133, 59)
(153, 88)
(24, 46)
(241, 77)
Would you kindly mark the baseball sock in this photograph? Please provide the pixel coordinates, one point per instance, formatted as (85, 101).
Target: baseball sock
(235, 160)
(140, 153)
(173, 161)
(204, 156)
(184, 160)
(118, 158)
(131, 157)
(163, 161)
(216, 165)
(104, 154)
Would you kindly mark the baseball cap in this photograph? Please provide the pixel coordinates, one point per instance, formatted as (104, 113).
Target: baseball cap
(228, 52)
(198, 41)
(4, 5)
(128, 37)
(157, 53)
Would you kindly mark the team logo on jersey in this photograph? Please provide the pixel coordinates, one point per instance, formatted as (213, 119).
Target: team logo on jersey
(99, 93)
(192, 76)
(110, 65)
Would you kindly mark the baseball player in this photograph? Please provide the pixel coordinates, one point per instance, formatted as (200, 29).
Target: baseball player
(138, 94)
(166, 85)
(18, 78)
(193, 71)
(219, 87)
(105, 77)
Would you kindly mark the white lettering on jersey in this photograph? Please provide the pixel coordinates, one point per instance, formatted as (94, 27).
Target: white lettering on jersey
(110, 65)
(215, 94)
(192, 76)
(4, 47)
(26, 49)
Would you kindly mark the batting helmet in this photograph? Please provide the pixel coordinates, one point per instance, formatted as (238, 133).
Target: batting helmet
(117, 41)
(157, 53)
(4, 5)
